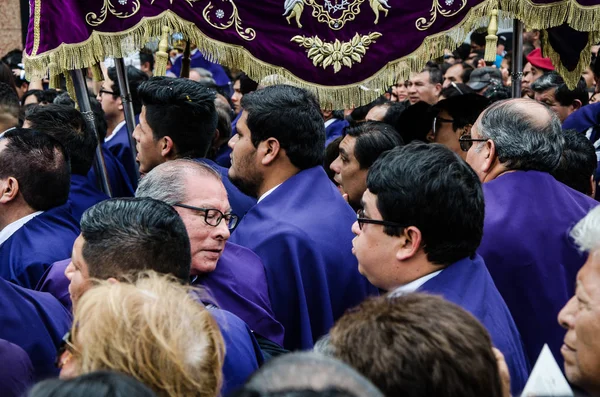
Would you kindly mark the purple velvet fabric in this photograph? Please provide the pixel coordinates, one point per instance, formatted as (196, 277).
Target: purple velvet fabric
(16, 370)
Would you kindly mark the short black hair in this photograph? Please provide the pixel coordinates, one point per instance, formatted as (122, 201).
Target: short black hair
(183, 110)
(415, 122)
(292, 116)
(94, 384)
(9, 102)
(67, 125)
(41, 166)
(42, 96)
(127, 235)
(562, 93)
(431, 188)
(135, 78)
(99, 119)
(372, 139)
(577, 163)
(463, 109)
(466, 74)
(360, 113)
(393, 114)
(435, 74)
(456, 89)
(478, 36)
(146, 56)
(247, 85)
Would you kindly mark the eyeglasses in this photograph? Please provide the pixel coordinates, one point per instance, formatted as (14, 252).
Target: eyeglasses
(437, 121)
(466, 142)
(360, 218)
(66, 345)
(213, 216)
(103, 91)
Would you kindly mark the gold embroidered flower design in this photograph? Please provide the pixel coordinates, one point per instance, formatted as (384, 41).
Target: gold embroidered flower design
(337, 54)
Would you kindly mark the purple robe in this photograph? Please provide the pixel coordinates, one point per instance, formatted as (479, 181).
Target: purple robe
(335, 130)
(120, 183)
(120, 147)
(16, 370)
(45, 239)
(239, 285)
(242, 353)
(83, 195)
(197, 60)
(301, 232)
(34, 321)
(468, 284)
(240, 203)
(528, 251)
(56, 283)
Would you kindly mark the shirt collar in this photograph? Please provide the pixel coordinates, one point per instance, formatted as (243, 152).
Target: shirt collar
(115, 131)
(413, 285)
(265, 194)
(329, 122)
(13, 227)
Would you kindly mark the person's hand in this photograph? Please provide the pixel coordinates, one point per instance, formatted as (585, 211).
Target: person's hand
(503, 371)
(481, 64)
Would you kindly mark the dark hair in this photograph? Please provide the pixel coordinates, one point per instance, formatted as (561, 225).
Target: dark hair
(99, 119)
(7, 76)
(456, 89)
(146, 56)
(95, 384)
(13, 58)
(431, 188)
(432, 347)
(372, 139)
(415, 122)
(577, 163)
(182, 109)
(463, 51)
(435, 74)
(478, 36)
(463, 109)
(360, 113)
(42, 96)
(128, 235)
(135, 77)
(330, 392)
(466, 74)
(393, 114)
(67, 125)
(9, 101)
(332, 151)
(293, 117)
(562, 93)
(247, 85)
(41, 166)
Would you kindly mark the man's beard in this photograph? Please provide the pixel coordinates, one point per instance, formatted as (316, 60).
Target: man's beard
(247, 185)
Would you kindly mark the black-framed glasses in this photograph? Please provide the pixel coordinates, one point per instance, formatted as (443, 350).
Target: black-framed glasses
(466, 142)
(66, 344)
(213, 216)
(360, 218)
(103, 91)
(437, 121)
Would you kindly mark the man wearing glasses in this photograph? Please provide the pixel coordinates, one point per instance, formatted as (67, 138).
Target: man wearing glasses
(513, 147)
(421, 223)
(454, 118)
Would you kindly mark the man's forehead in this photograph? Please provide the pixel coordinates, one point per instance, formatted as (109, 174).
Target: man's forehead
(589, 275)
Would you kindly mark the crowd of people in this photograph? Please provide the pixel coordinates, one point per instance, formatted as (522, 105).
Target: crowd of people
(257, 242)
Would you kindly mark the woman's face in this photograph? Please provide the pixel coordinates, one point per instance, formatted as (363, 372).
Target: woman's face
(67, 358)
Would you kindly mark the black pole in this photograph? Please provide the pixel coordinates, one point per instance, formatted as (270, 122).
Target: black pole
(127, 106)
(83, 99)
(517, 58)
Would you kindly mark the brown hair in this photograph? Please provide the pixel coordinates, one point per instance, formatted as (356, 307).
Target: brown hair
(418, 345)
(152, 329)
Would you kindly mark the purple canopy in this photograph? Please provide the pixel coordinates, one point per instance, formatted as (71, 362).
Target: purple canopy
(347, 51)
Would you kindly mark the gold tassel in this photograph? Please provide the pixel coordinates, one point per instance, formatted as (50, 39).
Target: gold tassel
(97, 72)
(162, 57)
(53, 73)
(71, 89)
(55, 81)
(491, 40)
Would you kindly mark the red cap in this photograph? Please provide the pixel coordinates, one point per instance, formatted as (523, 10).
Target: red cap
(536, 59)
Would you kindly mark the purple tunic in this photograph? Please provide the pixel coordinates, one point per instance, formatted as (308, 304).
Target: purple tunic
(83, 195)
(56, 283)
(16, 370)
(239, 285)
(469, 284)
(45, 239)
(527, 249)
(34, 321)
(301, 232)
(335, 130)
(120, 147)
(117, 176)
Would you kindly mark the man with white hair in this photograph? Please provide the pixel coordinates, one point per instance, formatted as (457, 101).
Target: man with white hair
(581, 315)
(513, 147)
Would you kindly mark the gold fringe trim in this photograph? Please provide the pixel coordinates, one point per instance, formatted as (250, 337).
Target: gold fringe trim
(37, 16)
(71, 88)
(571, 78)
(536, 16)
(97, 74)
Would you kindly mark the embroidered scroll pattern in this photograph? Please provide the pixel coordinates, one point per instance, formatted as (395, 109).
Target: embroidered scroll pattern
(107, 6)
(234, 19)
(448, 9)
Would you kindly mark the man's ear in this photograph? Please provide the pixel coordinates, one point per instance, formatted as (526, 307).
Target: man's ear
(430, 136)
(167, 147)
(410, 242)
(216, 137)
(438, 89)
(269, 150)
(592, 187)
(9, 189)
(489, 151)
(576, 105)
(120, 103)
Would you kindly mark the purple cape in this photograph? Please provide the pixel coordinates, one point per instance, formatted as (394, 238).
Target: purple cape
(56, 283)
(240, 203)
(16, 370)
(83, 195)
(239, 284)
(469, 284)
(120, 147)
(527, 249)
(335, 130)
(301, 232)
(198, 61)
(45, 239)
(34, 321)
(117, 176)
(242, 353)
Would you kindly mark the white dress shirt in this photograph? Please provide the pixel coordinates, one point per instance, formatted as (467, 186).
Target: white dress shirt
(12, 228)
(413, 285)
(265, 194)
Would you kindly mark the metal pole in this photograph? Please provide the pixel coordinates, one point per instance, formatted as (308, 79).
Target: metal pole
(83, 100)
(517, 58)
(127, 106)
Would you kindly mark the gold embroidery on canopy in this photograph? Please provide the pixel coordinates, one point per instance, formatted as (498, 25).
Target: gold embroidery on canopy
(437, 8)
(247, 34)
(94, 20)
(37, 14)
(337, 53)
